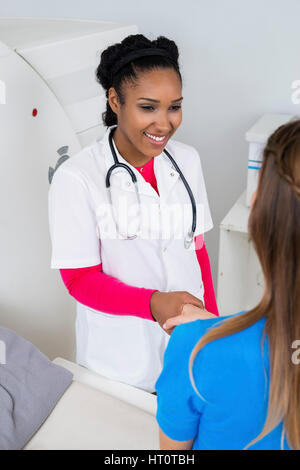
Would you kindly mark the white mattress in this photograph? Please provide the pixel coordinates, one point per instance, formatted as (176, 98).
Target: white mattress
(98, 413)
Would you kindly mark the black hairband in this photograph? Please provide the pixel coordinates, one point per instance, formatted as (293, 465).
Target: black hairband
(139, 53)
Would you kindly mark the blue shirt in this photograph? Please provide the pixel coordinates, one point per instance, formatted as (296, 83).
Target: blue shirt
(229, 375)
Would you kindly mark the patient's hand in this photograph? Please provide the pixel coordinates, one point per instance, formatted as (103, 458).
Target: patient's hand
(189, 313)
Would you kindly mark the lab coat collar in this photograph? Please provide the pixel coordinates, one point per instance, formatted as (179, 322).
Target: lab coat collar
(166, 175)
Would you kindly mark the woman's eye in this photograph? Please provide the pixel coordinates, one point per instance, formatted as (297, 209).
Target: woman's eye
(149, 108)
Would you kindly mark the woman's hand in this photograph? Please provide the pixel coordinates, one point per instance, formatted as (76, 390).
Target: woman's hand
(189, 313)
(165, 305)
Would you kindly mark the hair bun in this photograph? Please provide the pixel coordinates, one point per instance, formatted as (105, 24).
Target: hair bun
(133, 42)
(170, 46)
(108, 58)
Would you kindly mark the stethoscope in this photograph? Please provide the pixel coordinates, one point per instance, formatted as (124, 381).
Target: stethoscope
(190, 236)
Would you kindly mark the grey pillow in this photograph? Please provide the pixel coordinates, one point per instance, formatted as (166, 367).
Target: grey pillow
(30, 387)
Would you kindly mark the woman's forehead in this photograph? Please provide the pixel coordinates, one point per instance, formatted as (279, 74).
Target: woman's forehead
(155, 82)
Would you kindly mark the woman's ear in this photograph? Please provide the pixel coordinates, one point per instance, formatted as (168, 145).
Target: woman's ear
(253, 199)
(113, 100)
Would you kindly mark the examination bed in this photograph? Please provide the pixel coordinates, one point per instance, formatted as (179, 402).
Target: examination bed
(98, 413)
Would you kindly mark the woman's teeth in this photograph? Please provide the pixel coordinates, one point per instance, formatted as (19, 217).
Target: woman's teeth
(157, 139)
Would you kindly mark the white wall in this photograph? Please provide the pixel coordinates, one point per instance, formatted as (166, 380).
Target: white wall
(238, 61)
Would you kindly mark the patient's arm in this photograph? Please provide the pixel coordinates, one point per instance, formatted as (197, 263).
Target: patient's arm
(166, 443)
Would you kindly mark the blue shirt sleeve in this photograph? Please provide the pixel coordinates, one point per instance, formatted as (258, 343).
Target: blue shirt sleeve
(178, 405)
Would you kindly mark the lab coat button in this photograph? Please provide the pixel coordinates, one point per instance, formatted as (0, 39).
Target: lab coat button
(172, 174)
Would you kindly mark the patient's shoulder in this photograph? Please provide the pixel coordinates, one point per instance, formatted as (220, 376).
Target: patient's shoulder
(229, 346)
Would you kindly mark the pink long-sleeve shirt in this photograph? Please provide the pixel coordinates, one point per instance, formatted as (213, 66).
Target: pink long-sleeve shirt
(92, 287)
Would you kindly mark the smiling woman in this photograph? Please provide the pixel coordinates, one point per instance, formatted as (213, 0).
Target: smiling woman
(147, 107)
(127, 288)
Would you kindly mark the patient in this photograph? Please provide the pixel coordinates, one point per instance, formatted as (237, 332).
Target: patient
(235, 383)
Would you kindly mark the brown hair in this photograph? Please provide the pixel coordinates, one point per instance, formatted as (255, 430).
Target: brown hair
(274, 228)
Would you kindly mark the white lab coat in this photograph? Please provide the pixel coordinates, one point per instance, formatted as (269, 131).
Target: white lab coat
(83, 233)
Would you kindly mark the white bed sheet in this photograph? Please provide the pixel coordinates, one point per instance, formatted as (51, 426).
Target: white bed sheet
(97, 413)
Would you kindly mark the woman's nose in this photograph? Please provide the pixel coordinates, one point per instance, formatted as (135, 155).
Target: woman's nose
(163, 124)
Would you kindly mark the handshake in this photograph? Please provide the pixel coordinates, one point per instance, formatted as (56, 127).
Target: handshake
(170, 309)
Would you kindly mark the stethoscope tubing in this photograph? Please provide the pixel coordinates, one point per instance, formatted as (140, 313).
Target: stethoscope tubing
(188, 240)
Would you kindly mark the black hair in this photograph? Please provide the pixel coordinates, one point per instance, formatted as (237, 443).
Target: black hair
(114, 53)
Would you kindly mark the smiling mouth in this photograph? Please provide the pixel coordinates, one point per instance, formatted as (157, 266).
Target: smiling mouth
(156, 140)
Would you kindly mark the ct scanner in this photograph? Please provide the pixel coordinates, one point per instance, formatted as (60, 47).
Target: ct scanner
(50, 107)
